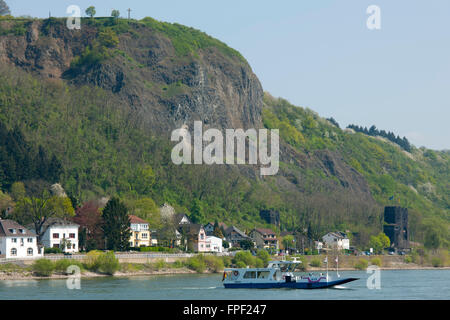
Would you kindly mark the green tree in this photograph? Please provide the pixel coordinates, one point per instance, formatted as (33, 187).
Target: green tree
(217, 232)
(247, 244)
(144, 179)
(197, 214)
(38, 211)
(432, 239)
(116, 225)
(18, 191)
(5, 202)
(91, 11)
(288, 241)
(264, 256)
(379, 242)
(384, 239)
(109, 39)
(146, 209)
(115, 14)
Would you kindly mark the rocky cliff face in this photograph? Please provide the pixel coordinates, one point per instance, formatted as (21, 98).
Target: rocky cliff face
(163, 90)
(166, 90)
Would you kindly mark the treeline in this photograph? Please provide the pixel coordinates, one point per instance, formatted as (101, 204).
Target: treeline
(373, 131)
(20, 160)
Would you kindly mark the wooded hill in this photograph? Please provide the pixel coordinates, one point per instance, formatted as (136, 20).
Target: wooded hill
(96, 107)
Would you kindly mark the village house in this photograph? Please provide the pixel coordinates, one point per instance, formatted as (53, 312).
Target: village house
(140, 233)
(153, 238)
(264, 238)
(214, 244)
(234, 236)
(336, 240)
(18, 242)
(60, 233)
(182, 218)
(194, 237)
(209, 228)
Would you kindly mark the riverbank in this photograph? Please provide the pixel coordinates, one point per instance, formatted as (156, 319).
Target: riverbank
(88, 274)
(17, 272)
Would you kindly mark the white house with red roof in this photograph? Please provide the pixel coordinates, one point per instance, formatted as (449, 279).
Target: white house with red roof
(140, 233)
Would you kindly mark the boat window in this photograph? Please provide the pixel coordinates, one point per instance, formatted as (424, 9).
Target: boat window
(284, 267)
(263, 274)
(250, 275)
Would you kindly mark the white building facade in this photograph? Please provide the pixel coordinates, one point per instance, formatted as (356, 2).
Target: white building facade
(214, 244)
(17, 242)
(338, 240)
(61, 234)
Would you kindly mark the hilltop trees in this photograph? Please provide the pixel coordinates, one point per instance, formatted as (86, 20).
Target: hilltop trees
(115, 14)
(373, 131)
(91, 11)
(4, 9)
(116, 225)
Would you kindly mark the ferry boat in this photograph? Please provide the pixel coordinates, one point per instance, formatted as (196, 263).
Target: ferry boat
(278, 274)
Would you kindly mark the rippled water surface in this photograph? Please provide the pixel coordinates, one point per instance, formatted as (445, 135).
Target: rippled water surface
(395, 284)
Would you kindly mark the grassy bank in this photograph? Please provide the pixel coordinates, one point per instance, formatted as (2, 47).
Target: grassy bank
(106, 264)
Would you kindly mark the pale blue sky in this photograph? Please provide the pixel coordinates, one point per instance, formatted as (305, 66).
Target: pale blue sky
(320, 54)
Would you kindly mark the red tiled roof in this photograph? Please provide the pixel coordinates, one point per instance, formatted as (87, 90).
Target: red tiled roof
(137, 220)
(265, 231)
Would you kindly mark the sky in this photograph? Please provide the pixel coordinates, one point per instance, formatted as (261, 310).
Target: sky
(321, 55)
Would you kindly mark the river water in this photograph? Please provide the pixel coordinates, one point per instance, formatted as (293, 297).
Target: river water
(394, 284)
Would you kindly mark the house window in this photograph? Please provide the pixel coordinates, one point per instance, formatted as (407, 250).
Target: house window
(14, 252)
(30, 251)
(56, 236)
(22, 231)
(14, 240)
(30, 240)
(72, 235)
(56, 245)
(202, 236)
(144, 235)
(13, 231)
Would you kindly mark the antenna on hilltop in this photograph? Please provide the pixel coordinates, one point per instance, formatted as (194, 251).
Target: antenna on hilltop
(129, 10)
